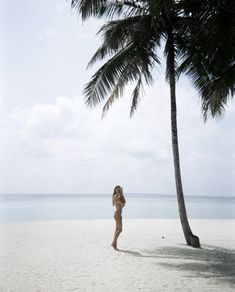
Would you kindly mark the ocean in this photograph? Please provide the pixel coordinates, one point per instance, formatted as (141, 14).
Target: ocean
(73, 207)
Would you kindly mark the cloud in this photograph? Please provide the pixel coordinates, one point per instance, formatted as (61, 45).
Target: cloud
(69, 119)
(65, 147)
(67, 136)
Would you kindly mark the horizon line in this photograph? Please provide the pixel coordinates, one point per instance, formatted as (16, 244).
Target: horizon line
(107, 194)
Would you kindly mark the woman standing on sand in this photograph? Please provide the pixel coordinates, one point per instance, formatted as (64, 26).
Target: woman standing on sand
(119, 202)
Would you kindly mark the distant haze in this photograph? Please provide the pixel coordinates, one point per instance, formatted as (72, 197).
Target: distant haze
(52, 143)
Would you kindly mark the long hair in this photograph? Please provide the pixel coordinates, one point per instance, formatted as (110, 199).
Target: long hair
(118, 191)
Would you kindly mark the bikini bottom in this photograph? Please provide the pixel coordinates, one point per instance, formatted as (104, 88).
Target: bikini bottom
(117, 216)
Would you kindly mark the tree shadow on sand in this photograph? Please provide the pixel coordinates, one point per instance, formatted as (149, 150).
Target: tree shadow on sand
(207, 262)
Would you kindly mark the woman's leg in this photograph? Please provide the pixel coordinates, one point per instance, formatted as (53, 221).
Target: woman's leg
(117, 232)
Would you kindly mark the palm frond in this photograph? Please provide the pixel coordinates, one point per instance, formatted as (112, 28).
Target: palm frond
(162, 8)
(89, 8)
(128, 62)
(116, 94)
(216, 93)
(132, 53)
(103, 81)
(107, 8)
(115, 35)
(138, 91)
(206, 50)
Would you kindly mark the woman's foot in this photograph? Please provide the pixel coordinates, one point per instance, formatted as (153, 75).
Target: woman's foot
(114, 246)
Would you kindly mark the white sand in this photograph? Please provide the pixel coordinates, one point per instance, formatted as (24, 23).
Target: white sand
(77, 256)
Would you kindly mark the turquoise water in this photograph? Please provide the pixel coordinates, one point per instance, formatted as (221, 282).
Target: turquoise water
(70, 207)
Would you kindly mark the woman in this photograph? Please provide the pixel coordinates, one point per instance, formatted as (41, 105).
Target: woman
(119, 202)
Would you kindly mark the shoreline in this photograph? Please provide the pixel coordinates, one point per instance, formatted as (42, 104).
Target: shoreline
(75, 255)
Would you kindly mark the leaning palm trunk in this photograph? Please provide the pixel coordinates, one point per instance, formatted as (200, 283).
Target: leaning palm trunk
(189, 237)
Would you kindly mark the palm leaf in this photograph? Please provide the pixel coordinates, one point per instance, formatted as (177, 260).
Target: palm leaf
(116, 35)
(207, 54)
(116, 93)
(105, 8)
(133, 56)
(136, 96)
(127, 63)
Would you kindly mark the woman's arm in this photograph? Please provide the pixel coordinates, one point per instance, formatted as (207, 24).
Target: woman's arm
(118, 200)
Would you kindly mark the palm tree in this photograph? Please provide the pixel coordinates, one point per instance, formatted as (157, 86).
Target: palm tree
(131, 43)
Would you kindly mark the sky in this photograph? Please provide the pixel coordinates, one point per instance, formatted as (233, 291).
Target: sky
(51, 142)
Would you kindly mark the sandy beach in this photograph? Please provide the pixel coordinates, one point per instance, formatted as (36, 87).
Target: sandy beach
(54, 256)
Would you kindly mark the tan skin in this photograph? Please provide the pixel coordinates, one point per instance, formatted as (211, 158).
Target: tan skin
(119, 202)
